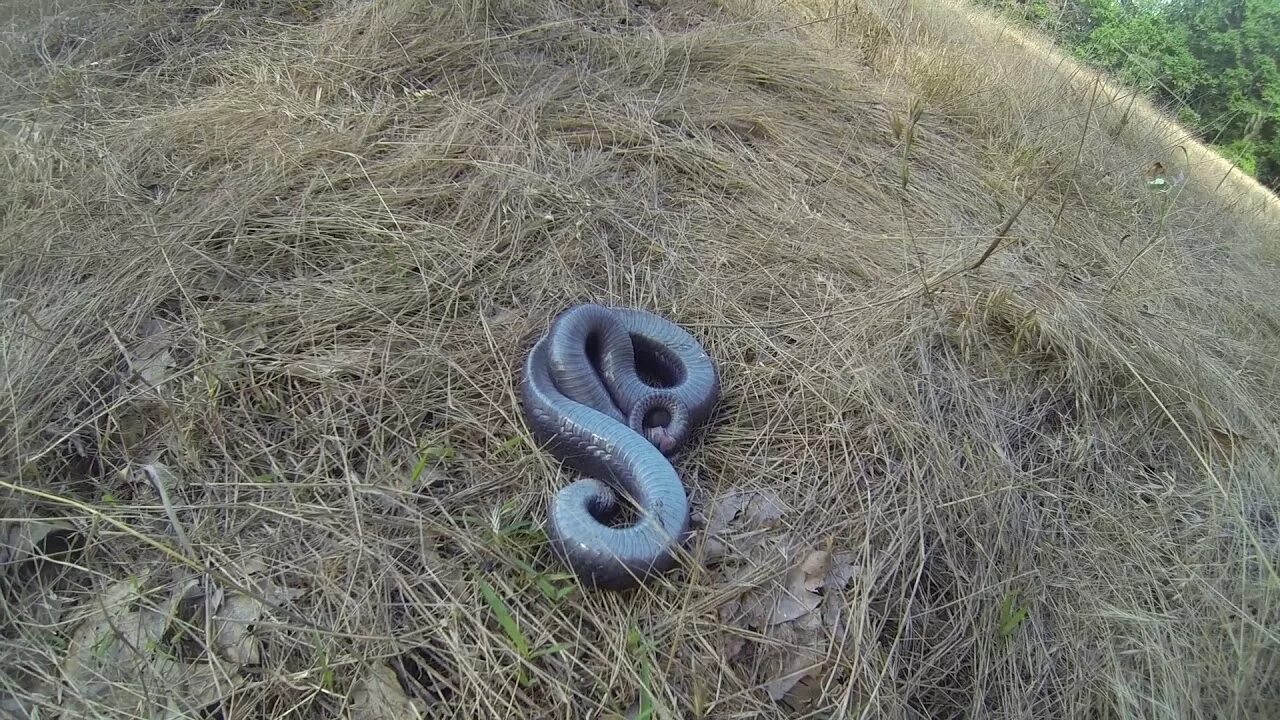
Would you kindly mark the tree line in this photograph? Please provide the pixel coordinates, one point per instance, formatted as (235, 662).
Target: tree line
(1212, 63)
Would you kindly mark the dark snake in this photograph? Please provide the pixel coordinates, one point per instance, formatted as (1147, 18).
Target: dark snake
(612, 392)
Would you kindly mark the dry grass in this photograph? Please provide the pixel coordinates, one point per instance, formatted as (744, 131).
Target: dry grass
(1016, 83)
(270, 268)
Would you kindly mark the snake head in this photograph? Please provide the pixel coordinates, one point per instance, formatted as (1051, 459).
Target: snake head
(666, 443)
(662, 438)
(663, 419)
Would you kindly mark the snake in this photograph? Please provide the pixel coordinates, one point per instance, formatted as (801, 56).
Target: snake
(613, 393)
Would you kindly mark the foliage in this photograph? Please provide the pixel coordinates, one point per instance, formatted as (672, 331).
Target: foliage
(1214, 62)
(1244, 153)
(1239, 96)
(1134, 42)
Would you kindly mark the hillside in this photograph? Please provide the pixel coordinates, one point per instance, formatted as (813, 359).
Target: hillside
(998, 431)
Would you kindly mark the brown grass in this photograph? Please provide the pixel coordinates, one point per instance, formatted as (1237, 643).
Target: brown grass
(270, 268)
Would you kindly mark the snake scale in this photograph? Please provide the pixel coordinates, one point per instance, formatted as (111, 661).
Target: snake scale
(612, 393)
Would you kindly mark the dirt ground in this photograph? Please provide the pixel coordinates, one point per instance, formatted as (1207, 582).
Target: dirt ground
(999, 427)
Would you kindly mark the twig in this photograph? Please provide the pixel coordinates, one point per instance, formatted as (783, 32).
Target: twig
(159, 483)
(1084, 134)
(1002, 232)
(25, 311)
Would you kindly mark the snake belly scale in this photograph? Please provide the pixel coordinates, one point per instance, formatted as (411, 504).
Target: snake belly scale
(612, 392)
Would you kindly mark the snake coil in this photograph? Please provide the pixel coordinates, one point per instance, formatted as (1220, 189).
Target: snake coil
(611, 392)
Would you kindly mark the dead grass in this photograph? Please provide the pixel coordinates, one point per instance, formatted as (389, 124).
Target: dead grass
(999, 428)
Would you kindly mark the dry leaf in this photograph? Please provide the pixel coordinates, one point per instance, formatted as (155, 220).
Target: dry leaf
(196, 687)
(788, 606)
(800, 615)
(756, 509)
(723, 511)
(237, 612)
(115, 645)
(378, 696)
(232, 628)
(153, 370)
(730, 611)
(712, 550)
(813, 570)
(732, 646)
(799, 596)
(1226, 438)
(800, 667)
(719, 515)
(783, 606)
(21, 540)
(753, 511)
(497, 314)
(248, 338)
(151, 359)
(806, 691)
(765, 509)
(838, 577)
(842, 571)
(118, 659)
(272, 593)
(276, 595)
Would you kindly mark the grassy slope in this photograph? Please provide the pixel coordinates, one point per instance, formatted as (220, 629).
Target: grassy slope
(270, 268)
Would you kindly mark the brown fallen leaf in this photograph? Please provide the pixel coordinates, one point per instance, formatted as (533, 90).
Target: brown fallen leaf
(233, 628)
(118, 648)
(154, 369)
(788, 607)
(723, 511)
(812, 572)
(731, 646)
(1226, 438)
(711, 551)
(121, 657)
(842, 570)
(233, 620)
(104, 639)
(799, 667)
(799, 614)
(150, 360)
(764, 510)
(22, 540)
(799, 596)
(737, 523)
(277, 595)
(244, 336)
(498, 314)
(254, 574)
(378, 696)
(196, 687)
(715, 520)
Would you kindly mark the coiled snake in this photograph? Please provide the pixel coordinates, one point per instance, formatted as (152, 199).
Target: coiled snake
(612, 392)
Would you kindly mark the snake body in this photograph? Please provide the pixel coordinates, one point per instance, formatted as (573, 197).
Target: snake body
(611, 392)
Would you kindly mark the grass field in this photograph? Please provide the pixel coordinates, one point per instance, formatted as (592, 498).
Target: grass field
(999, 431)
